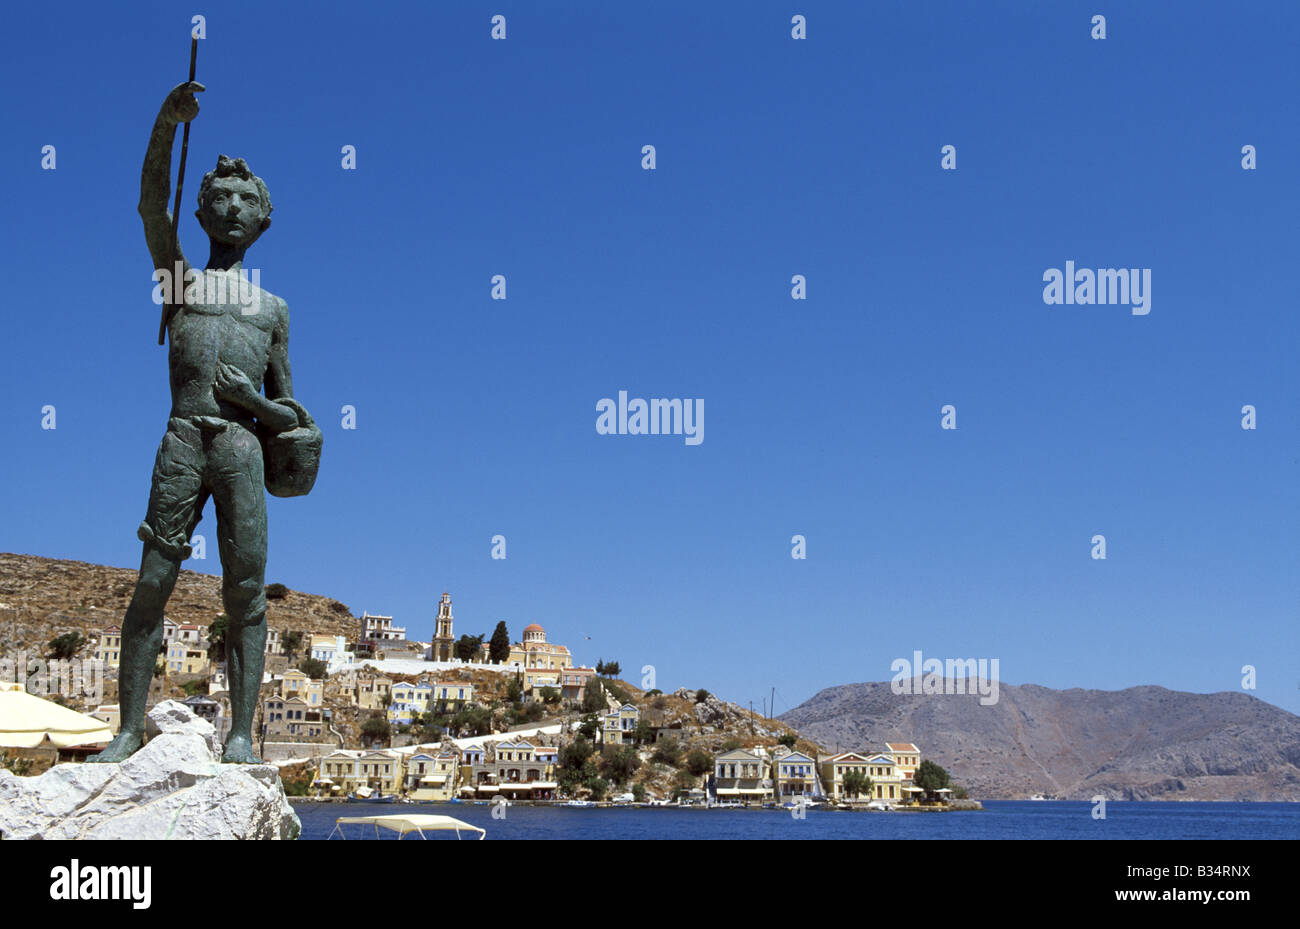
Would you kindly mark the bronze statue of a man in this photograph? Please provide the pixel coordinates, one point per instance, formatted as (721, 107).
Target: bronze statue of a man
(227, 339)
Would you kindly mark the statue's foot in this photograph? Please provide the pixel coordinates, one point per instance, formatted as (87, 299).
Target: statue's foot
(121, 748)
(239, 750)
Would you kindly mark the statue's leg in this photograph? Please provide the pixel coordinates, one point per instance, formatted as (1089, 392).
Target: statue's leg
(175, 505)
(142, 633)
(241, 527)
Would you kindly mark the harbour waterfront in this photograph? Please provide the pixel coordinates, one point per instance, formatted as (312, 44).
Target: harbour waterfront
(1000, 819)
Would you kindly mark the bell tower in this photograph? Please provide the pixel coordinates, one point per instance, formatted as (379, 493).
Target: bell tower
(443, 641)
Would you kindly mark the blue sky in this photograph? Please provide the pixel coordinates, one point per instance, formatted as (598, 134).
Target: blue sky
(775, 157)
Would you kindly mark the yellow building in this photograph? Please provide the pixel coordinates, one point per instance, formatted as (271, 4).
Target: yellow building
(443, 646)
(795, 775)
(296, 684)
(906, 756)
(619, 727)
(345, 772)
(835, 767)
(109, 649)
(110, 713)
(294, 719)
(887, 782)
(535, 652)
(410, 702)
(451, 696)
(373, 692)
(537, 678)
(432, 776)
(187, 658)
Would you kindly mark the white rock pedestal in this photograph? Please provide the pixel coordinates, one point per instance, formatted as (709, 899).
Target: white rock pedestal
(173, 788)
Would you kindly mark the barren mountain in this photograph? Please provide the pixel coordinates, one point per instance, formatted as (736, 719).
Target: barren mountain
(1142, 743)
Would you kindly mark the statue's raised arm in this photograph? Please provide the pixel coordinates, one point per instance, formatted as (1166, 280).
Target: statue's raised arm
(155, 178)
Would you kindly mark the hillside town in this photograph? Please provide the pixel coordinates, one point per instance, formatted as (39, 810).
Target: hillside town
(381, 717)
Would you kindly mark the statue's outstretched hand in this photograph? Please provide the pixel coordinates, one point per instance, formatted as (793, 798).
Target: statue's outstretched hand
(233, 385)
(181, 105)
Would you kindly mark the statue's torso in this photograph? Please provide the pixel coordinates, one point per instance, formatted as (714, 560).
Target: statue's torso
(236, 330)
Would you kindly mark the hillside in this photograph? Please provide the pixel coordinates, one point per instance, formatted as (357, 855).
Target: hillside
(1142, 743)
(41, 598)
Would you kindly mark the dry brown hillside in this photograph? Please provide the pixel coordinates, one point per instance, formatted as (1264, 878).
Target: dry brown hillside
(41, 598)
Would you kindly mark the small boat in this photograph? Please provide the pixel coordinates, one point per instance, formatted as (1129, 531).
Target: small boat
(368, 795)
(403, 825)
(578, 803)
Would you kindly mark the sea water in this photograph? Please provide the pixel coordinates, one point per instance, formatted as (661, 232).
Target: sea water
(1000, 819)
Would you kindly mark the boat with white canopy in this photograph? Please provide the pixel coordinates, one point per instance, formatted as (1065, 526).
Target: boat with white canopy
(403, 825)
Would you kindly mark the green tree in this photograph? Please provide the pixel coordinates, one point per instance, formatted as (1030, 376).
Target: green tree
(617, 692)
(575, 765)
(469, 647)
(430, 726)
(66, 645)
(515, 689)
(472, 721)
(598, 787)
(669, 752)
(291, 642)
(276, 591)
(701, 695)
(644, 734)
(930, 777)
(593, 698)
(683, 782)
(788, 739)
(549, 695)
(638, 793)
(376, 729)
(194, 688)
(217, 638)
(618, 764)
(589, 726)
(699, 762)
(856, 782)
(612, 669)
(299, 785)
(314, 668)
(499, 644)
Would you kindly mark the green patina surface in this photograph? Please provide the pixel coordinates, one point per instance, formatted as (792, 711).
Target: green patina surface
(226, 440)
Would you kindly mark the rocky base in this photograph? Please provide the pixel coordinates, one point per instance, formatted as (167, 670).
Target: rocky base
(173, 788)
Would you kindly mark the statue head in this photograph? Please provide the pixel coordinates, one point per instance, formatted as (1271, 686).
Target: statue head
(234, 204)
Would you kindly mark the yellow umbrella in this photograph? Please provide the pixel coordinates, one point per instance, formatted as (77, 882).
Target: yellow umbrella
(27, 721)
